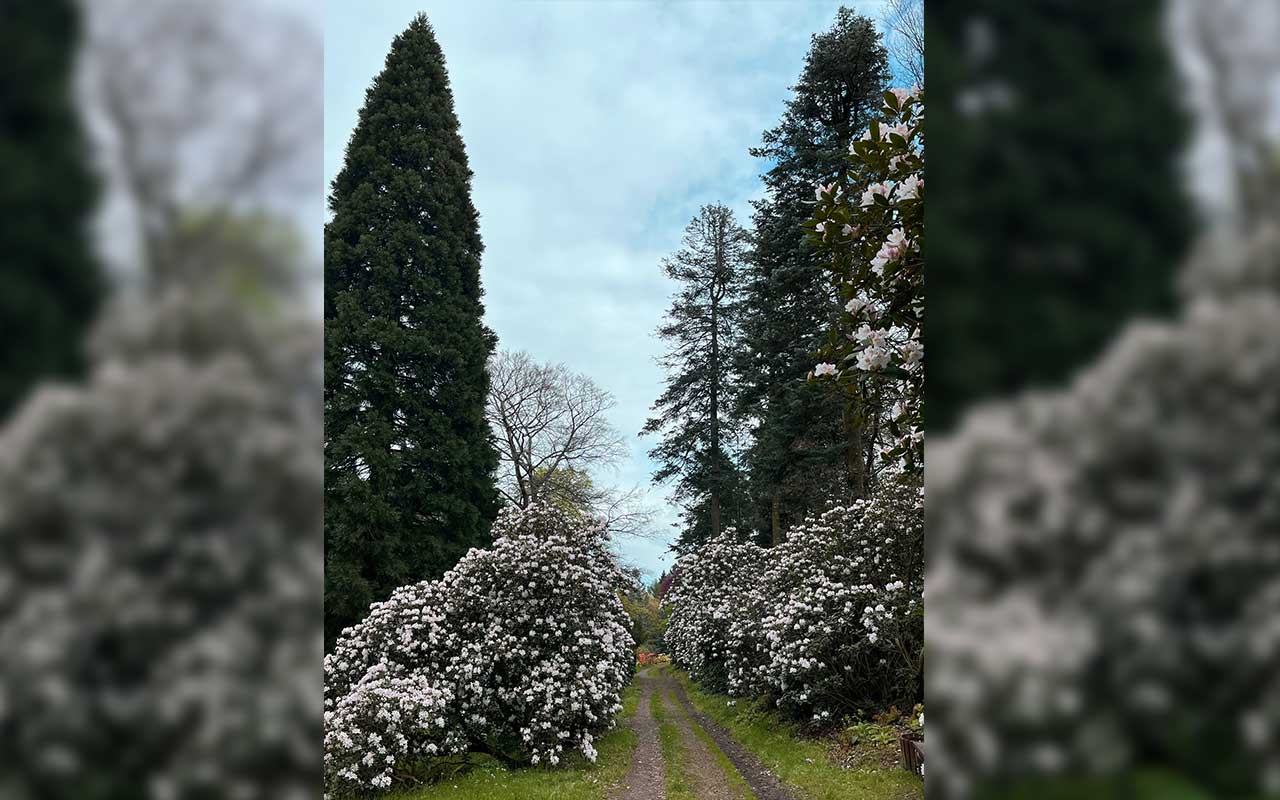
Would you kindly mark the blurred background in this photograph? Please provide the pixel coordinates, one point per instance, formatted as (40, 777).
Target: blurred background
(1103, 515)
(160, 399)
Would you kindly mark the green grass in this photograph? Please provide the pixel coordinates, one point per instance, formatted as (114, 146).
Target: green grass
(679, 786)
(577, 779)
(801, 763)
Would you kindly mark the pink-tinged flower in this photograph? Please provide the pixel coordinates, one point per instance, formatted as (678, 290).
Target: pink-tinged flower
(855, 305)
(873, 358)
(912, 352)
(868, 197)
(901, 94)
(824, 369)
(897, 239)
(821, 228)
(820, 190)
(910, 187)
(848, 230)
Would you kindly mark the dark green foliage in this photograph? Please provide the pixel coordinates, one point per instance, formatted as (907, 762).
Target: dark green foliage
(1056, 205)
(51, 286)
(409, 464)
(694, 413)
(799, 446)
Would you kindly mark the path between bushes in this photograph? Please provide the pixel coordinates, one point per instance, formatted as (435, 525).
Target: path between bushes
(646, 778)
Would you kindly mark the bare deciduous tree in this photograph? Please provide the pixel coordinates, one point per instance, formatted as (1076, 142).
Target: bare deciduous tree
(904, 21)
(552, 430)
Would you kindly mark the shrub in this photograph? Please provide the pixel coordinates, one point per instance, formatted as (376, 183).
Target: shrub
(844, 624)
(713, 586)
(521, 651)
(829, 622)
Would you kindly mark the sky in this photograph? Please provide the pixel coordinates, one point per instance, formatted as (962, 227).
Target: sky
(595, 131)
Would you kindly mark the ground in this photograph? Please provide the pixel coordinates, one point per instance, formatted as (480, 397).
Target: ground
(675, 742)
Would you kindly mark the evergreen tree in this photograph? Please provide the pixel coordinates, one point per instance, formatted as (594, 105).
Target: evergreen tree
(806, 445)
(409, 463)
(694, 413)
(1058, 210)
(51, 286)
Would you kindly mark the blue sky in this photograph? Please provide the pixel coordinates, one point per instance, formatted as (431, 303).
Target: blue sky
(595, 132)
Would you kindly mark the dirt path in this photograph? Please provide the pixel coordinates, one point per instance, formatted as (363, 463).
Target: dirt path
(702, 769)
(646, 778)
(764, 784)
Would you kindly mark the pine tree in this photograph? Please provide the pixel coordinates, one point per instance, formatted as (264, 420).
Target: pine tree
(51, 285)
(694, 413)
(806, 444)
(409, 463)
(1058, 209)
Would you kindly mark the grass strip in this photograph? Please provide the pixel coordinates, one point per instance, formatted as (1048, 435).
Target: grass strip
(800, 763)
(736, 782)
(679, 784)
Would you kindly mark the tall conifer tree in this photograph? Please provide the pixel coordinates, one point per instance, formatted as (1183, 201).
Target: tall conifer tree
(694, 413)
(800, 451)
(409, 464)
(51, 285)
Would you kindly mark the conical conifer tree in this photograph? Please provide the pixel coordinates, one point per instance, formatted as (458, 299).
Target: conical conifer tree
(409, 464)
(51, 285)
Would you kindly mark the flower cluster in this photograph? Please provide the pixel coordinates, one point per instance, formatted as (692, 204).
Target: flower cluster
(1104, 578)
(870, 225)
(520, 650)
(828, 622)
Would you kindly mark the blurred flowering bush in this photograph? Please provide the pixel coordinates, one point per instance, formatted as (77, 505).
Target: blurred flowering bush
(521, 651)
(829, 622)
(1104, 576)
(870, 224)
(157, 593)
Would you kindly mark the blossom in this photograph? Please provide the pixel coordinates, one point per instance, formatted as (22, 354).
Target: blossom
(910, 187)
(822, 189)
(868, 197)
(901, 94)
(824, 369)
(855, 305)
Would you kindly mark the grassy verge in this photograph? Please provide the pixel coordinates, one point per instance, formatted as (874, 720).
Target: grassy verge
(577, 779)
(673, 753)
(803, 764)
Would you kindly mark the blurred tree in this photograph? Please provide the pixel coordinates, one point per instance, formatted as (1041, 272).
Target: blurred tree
(51, 285)
(797, 458)
(409, 461)
(1058, 210)
(695, 412)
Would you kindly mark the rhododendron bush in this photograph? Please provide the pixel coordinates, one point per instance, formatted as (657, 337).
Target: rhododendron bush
(710, 595)
(1104, 560)
(870, 225)
(521, 650)
(828, 622)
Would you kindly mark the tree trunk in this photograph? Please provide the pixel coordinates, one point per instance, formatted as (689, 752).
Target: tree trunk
(777, 517)
(715, 514)
(853, 449)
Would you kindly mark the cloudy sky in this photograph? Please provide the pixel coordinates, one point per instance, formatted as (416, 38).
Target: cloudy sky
(595, 131)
